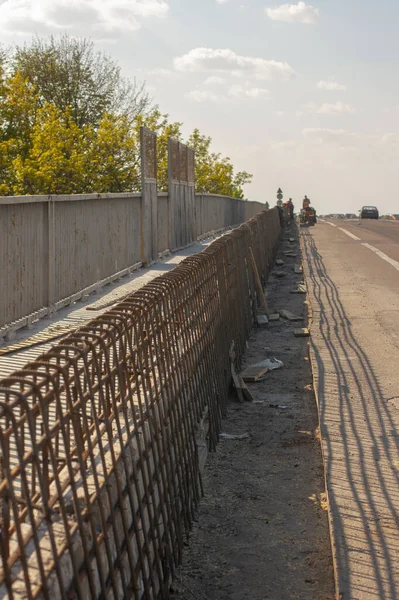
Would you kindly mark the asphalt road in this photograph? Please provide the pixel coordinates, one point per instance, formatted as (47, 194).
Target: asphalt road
(382, 234)
(352, 274)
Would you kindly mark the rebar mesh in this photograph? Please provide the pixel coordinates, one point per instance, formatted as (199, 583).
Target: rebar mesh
(99, 475)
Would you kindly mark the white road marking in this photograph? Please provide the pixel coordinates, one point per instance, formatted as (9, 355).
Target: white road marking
(389, 260)
(332, 224)
(354, 237)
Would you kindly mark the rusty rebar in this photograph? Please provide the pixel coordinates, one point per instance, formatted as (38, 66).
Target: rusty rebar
(99, 469)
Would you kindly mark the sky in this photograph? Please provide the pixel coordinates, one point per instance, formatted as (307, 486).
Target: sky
(305, 96)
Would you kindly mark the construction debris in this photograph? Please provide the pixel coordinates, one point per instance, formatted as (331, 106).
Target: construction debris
(298, 269)
(258, 282)
(270, 363)
(255, 372)
(301, 289)
(244, 388)
(301, 332)
(262, 320)
(252, 374)
(274, 317)
(243, 392)
(287, 314)
(237, 383)
(234, 436)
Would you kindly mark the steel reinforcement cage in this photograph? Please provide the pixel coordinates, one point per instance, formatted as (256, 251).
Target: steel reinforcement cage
(99, 472)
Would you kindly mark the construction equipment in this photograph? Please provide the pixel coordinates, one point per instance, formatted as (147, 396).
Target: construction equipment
(307, 216)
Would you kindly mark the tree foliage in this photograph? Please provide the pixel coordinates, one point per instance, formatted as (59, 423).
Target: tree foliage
(69, 123)
(69, 73)
(214, 173)
(56, 160)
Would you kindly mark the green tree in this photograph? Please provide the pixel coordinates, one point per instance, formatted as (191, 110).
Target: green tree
(69, 123)
(69, 72)
(215, 174)
(56, 162)
(18, 111)
(113, 157)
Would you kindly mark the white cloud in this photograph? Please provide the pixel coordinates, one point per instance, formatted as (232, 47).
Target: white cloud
(342, 137)
(336, 137)
(283, 144)
(209, 60)
(391, 109)
(293, 13)
(234, 92)
(330, 85)
(161, 72)
(334, 109)
(320, 132)
(389, 138)
(222, 1)
(239, 91)
(247, 150)
(203, 96)
(214, 80)
(338, 108)
(20, 16)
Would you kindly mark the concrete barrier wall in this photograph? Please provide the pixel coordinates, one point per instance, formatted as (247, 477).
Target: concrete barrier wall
(52, 248)
(250, 209)
(95, 237)
(163, 228)
(214, 212)
(55, 249)
(23, 254)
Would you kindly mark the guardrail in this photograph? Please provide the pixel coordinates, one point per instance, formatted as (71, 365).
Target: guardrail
(99, 469)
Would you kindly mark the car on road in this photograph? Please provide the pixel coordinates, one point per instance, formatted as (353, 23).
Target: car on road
(369, 212)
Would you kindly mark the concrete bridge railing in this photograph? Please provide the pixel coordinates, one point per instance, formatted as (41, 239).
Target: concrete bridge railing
(56, 249)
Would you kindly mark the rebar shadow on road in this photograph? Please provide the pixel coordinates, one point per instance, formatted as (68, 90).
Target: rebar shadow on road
(360, 444)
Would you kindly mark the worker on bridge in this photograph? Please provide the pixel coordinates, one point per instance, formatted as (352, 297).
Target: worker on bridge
(290, 208)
